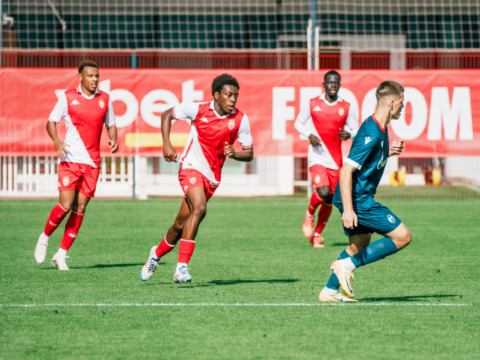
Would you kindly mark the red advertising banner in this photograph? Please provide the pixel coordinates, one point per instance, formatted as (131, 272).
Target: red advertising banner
(440, 117)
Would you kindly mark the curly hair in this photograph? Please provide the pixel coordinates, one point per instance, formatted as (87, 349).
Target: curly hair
(86, 63)
(221, 80)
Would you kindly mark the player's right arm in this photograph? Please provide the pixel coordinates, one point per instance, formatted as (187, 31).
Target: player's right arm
(349, 217)
(301, 127)
(58, 113)
(169, 152)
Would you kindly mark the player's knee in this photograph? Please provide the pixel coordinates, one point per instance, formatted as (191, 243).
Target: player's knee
(67, 205)
(200, 211)
(403, 239)
(324, 192)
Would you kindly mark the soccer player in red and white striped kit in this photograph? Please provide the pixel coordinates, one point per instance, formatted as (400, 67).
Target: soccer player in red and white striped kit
(216, 125)
(325, 121)
(85, 110)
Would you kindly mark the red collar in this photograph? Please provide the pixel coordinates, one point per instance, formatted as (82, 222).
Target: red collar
(380, 126)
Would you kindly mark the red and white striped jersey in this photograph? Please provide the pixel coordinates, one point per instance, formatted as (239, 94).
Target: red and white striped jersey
(84, 117)
(324, 120)
(208, 135)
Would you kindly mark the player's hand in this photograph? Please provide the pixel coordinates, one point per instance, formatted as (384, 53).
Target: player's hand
(228, 150)
(169, 153)
(61, 149)
(349, 219)
(344, 134)
(315, 140)
(113, 146)
(396, 148)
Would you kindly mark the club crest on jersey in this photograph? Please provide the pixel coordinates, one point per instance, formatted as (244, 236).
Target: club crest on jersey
(101, 103)
(341, 111)
(193, 180)
(65, 180)
(231, 124)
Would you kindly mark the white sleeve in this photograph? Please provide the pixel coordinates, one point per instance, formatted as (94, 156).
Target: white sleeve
(185, 111)
(301, 121)
(244, 135)
(351, 125)
(60, 110)
(109, 116)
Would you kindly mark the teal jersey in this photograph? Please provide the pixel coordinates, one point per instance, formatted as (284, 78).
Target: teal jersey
(369, 155)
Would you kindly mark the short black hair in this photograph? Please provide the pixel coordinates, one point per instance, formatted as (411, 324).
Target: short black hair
(331, 72)
(221, 80)
(86, 63)
(388, 88)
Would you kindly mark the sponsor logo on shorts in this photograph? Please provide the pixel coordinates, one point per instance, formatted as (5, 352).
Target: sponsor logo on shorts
(341, 111)
(231, 124)
(193, 180)
(185, 187)
(317, 179)
(101, 103)
(65, 181)
(391, 219)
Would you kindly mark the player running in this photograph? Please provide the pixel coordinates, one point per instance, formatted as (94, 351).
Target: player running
(215, 127)
(85, 110)
(324, 120)
(359, 179)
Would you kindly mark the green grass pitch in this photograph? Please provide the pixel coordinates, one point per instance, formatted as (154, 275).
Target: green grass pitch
(255, 286)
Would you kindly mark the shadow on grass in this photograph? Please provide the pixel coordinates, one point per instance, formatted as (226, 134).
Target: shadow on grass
(240, 281)
(106, 266)
(411, 298)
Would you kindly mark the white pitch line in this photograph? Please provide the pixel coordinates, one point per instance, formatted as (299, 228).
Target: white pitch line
(226, 304)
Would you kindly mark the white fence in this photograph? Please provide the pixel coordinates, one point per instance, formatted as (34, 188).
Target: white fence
(128, 177)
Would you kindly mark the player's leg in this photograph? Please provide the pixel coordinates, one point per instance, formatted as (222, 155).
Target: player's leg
(167, 244)
(67, 184)
(72, 228)
(55, 218)
(330, 291)
(318, 181)
(326, 193)
(381, 220)
(197, 203)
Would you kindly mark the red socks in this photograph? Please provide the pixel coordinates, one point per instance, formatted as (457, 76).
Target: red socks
(315, 200)
(163, 248)
(185, 250)
(56, 217)
(71, 230)
(323, 216)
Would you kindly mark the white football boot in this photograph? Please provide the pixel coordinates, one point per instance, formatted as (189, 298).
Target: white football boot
(150, 266)
(41, 248)
(182, 275)
(58, 260)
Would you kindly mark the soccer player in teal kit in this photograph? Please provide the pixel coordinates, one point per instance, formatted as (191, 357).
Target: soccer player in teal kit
(354, 196)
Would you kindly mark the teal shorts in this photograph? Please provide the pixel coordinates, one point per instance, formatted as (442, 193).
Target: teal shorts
(372, 217)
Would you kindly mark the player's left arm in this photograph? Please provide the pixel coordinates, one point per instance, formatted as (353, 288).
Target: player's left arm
(111, 125)
(396, 148)
(246, 141)
(112, 138)
(351, 125)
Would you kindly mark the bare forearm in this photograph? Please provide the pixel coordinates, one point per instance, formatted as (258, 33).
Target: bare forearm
(346, 188)
(167, 118)
(243, 155)
(52, 131)
(112, 133)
